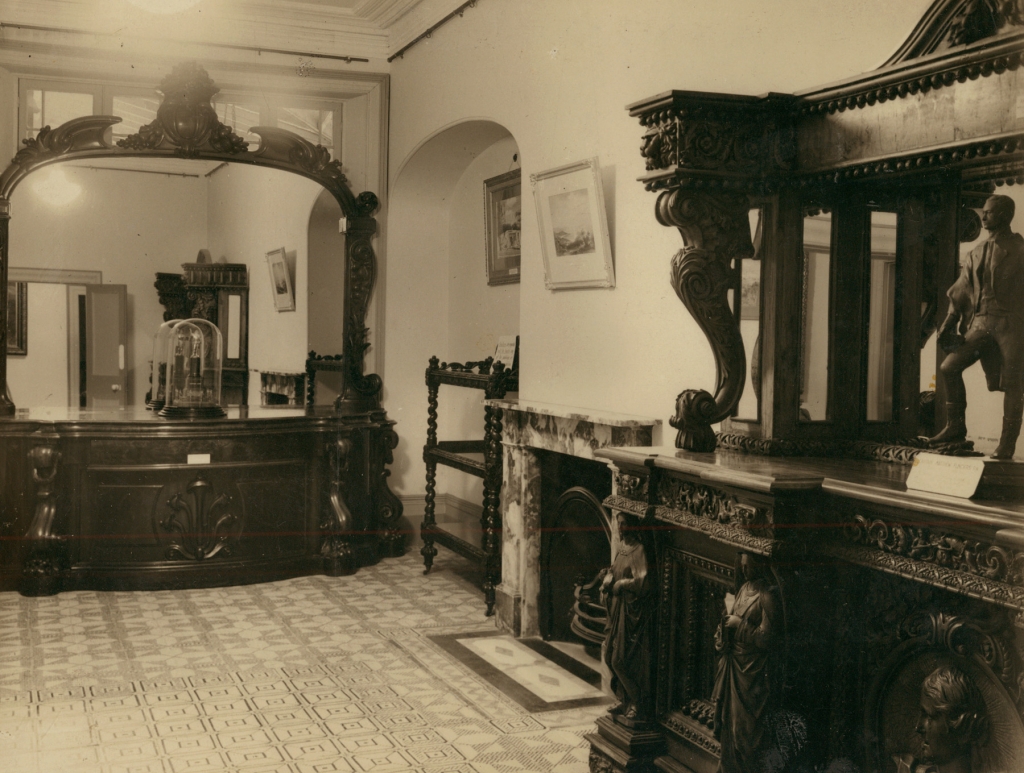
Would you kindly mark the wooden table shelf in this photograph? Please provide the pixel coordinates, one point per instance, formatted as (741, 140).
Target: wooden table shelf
(481, 458)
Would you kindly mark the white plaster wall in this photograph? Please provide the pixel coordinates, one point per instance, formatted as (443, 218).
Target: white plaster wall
(419, 286)
(253, 210)
(127, 225)
(558, 76)
(40, 378)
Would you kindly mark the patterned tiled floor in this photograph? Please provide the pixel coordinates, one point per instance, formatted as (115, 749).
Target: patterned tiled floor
(313, 674)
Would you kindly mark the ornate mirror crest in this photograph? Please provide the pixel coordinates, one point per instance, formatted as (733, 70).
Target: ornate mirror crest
(186, 126)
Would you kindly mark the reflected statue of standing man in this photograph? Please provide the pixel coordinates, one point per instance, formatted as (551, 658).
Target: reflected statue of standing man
(986, 322)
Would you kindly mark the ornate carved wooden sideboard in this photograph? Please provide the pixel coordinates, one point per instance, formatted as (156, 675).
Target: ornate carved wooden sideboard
(793, 607)
(874, 588)
(131, 500)
(127, 500)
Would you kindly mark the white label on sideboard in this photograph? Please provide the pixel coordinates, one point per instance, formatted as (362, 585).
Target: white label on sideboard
(198, 458)
(957, 476)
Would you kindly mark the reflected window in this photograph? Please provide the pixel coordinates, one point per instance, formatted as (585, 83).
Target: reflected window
(314, 125)
(241, 118)
(43, 107)
(814, 317)
(881, 316)
(135, 112)
(749, 314)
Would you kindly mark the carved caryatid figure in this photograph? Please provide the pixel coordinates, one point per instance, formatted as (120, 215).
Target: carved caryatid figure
(986, 303)
(627, 589)
(743, 694)
(952, 722)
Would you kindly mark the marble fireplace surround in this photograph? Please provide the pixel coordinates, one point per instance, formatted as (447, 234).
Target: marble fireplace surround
(530, 427)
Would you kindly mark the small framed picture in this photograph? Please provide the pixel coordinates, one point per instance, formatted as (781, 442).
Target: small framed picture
(281, 281)
(503, 209)
(17, 317)
(573, 227)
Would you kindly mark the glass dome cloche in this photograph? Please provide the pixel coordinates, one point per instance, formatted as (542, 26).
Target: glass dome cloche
(158, 379)
(194, 360)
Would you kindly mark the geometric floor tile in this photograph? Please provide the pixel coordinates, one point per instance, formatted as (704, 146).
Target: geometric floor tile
(306, 675)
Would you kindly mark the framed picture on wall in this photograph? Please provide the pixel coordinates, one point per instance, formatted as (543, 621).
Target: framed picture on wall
(17, 318)
(281, 281)
(503, 209)
(573, 226)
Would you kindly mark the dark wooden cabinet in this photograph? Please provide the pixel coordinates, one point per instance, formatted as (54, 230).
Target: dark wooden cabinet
(126, 500)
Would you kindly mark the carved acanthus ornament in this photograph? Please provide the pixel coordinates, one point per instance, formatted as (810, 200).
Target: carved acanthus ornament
(948, 550)
(717, 133)
(186, 121)
(711, 504)
(968, 567)
(984, 640)
(204, 522)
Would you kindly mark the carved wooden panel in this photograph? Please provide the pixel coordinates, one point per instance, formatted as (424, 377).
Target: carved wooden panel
(693, 589)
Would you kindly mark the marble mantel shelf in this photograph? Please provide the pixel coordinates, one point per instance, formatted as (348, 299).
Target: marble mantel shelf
(607, 418)
(530, 428)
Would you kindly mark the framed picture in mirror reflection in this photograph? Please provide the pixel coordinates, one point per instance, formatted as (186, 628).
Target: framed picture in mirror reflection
(281, 281)
(503, 209)
(17, 318)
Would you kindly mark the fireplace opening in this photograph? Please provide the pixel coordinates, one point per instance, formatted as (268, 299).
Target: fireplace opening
(575, 544)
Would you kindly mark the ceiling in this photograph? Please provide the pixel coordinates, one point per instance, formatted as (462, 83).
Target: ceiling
(363, 29)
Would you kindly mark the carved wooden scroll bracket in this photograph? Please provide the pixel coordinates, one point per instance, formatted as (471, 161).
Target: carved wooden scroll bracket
(706, 152)
(716, 232)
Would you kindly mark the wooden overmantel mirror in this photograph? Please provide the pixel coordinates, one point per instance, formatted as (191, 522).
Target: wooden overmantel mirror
(822, 231)
(187, 127)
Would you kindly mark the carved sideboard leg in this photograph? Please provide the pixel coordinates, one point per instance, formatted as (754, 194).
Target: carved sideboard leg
(339, 560)
(618, 749)
(43, 567)
(389, 506)
(428, 551)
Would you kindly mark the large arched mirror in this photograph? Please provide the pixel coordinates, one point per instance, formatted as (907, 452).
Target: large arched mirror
(183, 184)
(184, 219)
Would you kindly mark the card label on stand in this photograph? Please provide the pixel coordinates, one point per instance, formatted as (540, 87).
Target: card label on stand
(956, 476)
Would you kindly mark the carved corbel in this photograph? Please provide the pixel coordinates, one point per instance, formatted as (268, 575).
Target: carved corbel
(44, 563)
(338, 523)
(716, 232)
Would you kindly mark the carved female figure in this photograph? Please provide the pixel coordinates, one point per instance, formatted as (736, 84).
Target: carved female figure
(743, 693)
(627, 592)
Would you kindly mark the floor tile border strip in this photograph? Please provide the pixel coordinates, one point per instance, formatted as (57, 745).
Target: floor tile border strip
(503, 682)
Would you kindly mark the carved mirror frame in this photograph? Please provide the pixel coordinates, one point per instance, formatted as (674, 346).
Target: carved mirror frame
(187, 127)
(710, 156)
